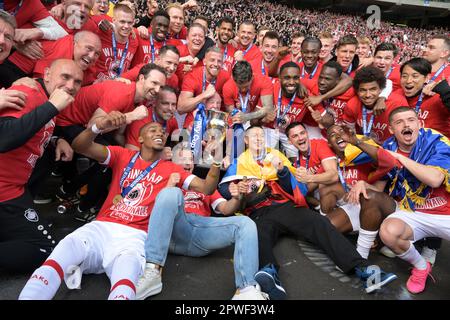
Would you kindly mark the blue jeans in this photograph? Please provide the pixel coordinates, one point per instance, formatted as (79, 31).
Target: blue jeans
(195, 236)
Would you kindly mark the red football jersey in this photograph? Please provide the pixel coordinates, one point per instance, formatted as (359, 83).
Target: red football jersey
(201, 204)
(379, 132)
(260, 67)
(144, 52)
(109, 61)
(179, 36)
(251, 53)
(228, 58)
(296, 112)
(184, 52)
(17, 165)
(135, 209)
(314, 75)
(433, 114)
(261, 86)
(395, 76)
(353, 174)
(288, 58)
(26, 11)
(103, 95)
(193, 81)
(132, 131)
(319, 151)
(336, 104)
(444, 74)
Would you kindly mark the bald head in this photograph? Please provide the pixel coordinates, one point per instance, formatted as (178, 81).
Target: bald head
(63, 74)
(86, 49)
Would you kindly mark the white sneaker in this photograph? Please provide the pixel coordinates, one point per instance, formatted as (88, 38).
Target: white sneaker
(429, 255)
(250, 293)
(149, 283)
(385, 251)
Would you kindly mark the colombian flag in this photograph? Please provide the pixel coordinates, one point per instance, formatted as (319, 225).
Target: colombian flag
(355, 156)
(431, 149)
(246, 166)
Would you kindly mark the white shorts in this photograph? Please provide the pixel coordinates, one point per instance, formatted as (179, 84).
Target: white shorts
(352, 211)
(105, 241)
(424, 224)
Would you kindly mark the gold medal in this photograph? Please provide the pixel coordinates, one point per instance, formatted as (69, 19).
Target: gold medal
(117, 198)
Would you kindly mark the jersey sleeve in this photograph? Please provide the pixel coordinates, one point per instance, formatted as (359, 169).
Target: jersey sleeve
(228, 93)
(37, 9)
(325, 151)
(113, 157)
(216, 198)
(189, 83)
(133, 73)
(350, 115)
(185, 177)
(266, 87)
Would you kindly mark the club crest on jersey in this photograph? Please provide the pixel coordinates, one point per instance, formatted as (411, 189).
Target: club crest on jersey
(31, 215)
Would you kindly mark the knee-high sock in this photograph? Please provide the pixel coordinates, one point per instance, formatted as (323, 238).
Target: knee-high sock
(124, 275)
(413, 256)
(366, 239)
(46, 280)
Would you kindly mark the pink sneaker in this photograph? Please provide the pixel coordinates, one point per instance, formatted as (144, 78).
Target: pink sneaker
(418, 279)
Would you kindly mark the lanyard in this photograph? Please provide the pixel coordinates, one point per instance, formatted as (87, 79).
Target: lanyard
(213, 82)
(286, 110)
(389, 73)
(16, 10)
(156, 120)
(243, 102)
(307, 159)
(349, 70)
(249, 47)
(439, 71)
(152, 47)
(367, 129)
(341, 174)
(419, 102)
(311, 75)
(263, 68)
(130, 165)
(225, 53)
(124, 54)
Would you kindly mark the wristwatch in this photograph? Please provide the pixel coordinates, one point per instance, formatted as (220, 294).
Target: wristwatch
(217, 164)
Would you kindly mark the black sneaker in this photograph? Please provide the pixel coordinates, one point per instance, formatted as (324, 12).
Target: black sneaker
(85, 216)
(65, 196)
(42, 198)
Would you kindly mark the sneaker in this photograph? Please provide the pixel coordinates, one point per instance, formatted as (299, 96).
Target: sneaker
(374, 278)
(418, 279)
(85, 216)
(250, 293)
(149, 283)
(66, 196)
(429, 255)
(385, 251)
(42, 199)
(268, 279)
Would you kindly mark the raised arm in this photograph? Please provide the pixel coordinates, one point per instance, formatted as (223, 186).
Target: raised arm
(84, 142)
